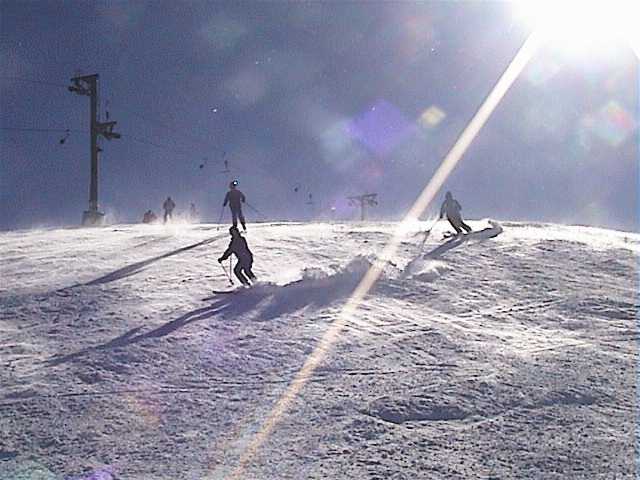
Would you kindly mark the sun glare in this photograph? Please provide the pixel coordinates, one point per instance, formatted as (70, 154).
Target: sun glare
(583, 24)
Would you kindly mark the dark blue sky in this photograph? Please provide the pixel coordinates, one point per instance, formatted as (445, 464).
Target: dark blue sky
(335, 98)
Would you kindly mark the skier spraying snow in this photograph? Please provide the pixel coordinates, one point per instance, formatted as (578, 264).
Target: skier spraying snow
(239, 247)
(451, 208)
(235, 198)
(168, 206)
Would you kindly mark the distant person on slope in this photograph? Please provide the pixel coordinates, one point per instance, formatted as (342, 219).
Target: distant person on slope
(451, 208)
(235, 198)
(193, 212)
(149, 217)
(168, 206)
(239, 247)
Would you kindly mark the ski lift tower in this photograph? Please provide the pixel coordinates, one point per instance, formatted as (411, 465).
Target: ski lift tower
(368, 199)
(88, 85)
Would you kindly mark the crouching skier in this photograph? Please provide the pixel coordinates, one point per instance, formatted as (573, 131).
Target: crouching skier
(239, 247)
(451, 208)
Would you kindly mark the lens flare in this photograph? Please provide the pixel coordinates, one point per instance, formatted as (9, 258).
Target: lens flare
(582, 25)
(432, 116)
(381, 128)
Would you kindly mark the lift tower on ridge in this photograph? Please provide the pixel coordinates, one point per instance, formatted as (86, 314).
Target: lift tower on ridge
(368, 199)
(88, 85)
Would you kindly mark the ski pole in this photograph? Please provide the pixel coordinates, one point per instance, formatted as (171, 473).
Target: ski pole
(226, 274)
(433, 224)
(220, 218)
(254, 209)
(428, 232)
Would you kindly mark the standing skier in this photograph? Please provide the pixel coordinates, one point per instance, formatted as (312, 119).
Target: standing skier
(168, 206)
(235, 198)
(193, 212)
(451, 208)
(239, 247)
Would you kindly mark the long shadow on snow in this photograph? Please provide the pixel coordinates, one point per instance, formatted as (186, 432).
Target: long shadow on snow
(493, 231)
(131, 336)
(138, 266)
(267, 301)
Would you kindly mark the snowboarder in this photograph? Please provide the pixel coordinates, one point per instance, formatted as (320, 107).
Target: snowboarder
(235, 198)
(451, 208)
(239, 247)
(168, 206)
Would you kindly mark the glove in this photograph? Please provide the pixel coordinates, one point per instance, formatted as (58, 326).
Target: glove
(220, 260)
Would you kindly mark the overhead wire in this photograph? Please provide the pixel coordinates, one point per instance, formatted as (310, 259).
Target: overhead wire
(58, 130)
(33, 81)
(71, 130)
(192, 141)
(117, 106)
(157, 145)
(202, 141)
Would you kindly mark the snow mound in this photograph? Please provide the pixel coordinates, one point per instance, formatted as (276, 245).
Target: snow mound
(416, 409)
(315, 276)
(568, 397)
(354, 270)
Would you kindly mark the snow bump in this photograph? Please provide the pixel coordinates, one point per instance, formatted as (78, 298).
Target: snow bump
(416, 409)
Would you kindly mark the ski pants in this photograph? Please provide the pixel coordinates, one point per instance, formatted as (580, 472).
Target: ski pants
(168, 214)
(236, 213)
(241, 269)
(457, 223)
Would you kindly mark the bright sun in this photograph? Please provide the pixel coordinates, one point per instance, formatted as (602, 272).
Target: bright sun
(583, 24)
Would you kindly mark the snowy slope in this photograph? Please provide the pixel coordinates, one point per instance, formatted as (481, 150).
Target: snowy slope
(507, 357)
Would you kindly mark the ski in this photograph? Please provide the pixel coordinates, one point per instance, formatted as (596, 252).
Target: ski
(451, 235)
(231, 291)
(217, 293)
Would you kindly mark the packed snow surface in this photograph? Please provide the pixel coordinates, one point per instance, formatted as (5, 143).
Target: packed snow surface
(506, 354)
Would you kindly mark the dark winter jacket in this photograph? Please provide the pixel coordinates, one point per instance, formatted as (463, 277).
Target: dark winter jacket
(451, 208)
(239, 247)
(234, 198)
(168, 205)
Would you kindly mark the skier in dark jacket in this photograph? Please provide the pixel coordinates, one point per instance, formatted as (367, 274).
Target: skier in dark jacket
(239, 247)
(168, 206)
(235, 198)
(451, 208)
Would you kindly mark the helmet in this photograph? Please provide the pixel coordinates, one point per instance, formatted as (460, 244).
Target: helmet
(233, 184)
(233, 230)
